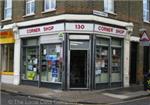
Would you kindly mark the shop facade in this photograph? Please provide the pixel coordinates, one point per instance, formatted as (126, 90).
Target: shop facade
(7, 41)
(72, 52)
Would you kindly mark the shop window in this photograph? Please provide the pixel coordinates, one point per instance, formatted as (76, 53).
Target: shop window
(30, 7)
(7, 9)
(108, 60)
(102, 61)
(30, 59)
(115, 42)
(51, 63)
(49, 5)
(6, 57)
(146, 10)
(116, 65)
(109, 6)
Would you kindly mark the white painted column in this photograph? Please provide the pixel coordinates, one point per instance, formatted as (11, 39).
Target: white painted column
(126, 57)
(17, 47)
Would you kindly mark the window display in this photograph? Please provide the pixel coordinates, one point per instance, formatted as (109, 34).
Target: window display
(116, 65)
(51, 67)
(102, 60)
(108, 60)
(30, 59)
(6, 57)
(101, 64)
(31, 63)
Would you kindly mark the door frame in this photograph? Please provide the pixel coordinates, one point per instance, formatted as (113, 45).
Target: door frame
(88, 50)
(87, 69)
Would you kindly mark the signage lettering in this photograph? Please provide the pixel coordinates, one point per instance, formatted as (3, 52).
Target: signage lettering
(48, 28)
(32, 30)
(119, 31)
(110, 30)
(42, 29)
(6, 36)
(79, 26)
(105, 29)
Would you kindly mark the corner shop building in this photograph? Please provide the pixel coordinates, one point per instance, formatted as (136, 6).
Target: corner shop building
(72, 52)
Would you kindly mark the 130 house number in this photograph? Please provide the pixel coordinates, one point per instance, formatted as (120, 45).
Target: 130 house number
(79, 26)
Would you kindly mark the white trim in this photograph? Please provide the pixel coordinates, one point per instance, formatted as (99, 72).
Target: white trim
(135, 39)
(71, 17)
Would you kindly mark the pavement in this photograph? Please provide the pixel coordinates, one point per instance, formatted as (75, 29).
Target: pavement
(106, 96)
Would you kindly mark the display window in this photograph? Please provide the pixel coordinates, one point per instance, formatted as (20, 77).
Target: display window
(102, 60)
(116, 54)
(116, 65)
(6, 58)
(51, 63)
(30, 59)
(108, 60)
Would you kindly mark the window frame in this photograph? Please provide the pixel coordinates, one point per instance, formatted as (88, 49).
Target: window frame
(50, 5)
(108, 5)
(146, 10)
(7, 6)
(30, 7)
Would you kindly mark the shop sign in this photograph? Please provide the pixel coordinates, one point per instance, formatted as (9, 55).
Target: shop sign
(42, 29)
(6, 36)
(110, 30)
(144, 40)
(100, 13)
(79, 27)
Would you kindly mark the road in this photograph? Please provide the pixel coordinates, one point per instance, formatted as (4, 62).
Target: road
(14, 99)
(140, 101)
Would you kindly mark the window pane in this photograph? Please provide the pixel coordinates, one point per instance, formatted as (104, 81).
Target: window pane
(79, 44)
(7, 57)
(30, 63)
(146, 10)
(51, 63)
(30, 42)
(102, 41)
(109, 5)
(53, 4)
(32, 7)
(8, 9)
(8, 13)
(101, 64)
(116, 65)
(50, 4)
(116, 42)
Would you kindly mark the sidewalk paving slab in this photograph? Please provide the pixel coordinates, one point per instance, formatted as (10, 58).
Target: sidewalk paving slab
(88, 97)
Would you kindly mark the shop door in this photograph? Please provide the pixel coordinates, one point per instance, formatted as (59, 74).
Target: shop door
(79, 62)
(133, 62)
(78, 68)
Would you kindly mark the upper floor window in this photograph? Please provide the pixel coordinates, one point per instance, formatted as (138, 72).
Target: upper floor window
(49, 5)
(30, 7)
(7, 9)
(146, 10)
(109, 6)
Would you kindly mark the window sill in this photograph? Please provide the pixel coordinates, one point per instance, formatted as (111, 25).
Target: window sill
(109, 12)
(47, 11)
(148, 22)
(28, 15)
(7, 19)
